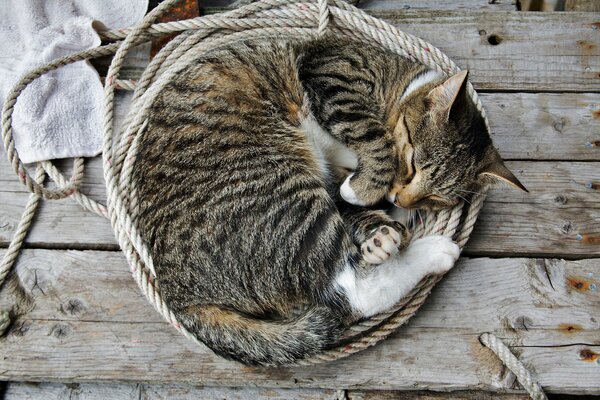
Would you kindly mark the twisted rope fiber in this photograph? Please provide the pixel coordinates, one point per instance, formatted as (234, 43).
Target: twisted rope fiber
(523, 376)
(123, 225)
(10, 257)
(139, 112)
(288, 18)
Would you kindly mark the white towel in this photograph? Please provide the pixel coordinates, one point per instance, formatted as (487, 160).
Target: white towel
(60, 114)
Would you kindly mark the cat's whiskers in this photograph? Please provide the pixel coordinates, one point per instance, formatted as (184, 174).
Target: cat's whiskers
(467, 201)
(469, 191)
(420, 216)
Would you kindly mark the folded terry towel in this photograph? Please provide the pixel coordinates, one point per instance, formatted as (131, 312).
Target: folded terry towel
(60, 114)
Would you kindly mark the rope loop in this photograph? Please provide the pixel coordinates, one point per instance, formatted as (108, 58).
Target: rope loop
(266, 18)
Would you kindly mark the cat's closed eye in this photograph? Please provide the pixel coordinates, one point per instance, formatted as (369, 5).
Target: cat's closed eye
(435, 197)
(407, 153)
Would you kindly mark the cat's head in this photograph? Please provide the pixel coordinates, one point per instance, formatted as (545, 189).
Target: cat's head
(445, 152)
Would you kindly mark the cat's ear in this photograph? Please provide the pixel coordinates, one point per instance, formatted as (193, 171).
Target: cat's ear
(496, 170)
(448, 94)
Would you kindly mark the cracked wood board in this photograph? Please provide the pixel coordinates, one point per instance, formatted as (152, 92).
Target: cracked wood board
(511, 51)
(88, 322)
(214, 6)
(122, 391)
(561, 205)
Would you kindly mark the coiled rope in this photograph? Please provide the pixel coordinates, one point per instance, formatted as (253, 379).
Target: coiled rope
(266, 18)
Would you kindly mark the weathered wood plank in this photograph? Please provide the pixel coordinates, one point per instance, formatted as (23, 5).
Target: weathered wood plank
(420, 359)
(214, 6)
(391, 395)
(467, 5)
(491, 294)
(70, 391)
(513, 51)
(122, 391)
(582, 5)
(563, 203)
(88, 323)
(544, 126)
(531, 126)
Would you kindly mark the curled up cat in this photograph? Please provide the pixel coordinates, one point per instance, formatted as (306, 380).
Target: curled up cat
(263, 177)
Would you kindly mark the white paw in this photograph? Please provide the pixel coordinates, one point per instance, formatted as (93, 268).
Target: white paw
(435, 254)
(349, 194)
(381, 245)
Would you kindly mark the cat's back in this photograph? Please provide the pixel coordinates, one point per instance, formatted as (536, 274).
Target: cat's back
(228, 189)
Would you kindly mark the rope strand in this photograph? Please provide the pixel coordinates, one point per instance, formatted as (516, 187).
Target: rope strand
(266, 18)
(259, 19)
(492, 342)
(14, 248)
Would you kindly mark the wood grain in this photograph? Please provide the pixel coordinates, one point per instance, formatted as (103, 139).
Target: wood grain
(123, 391)
(510, 51)
(466, 395)
(214, 6)
(563, 203)
(89, 323)
(534, 51)
(545, 126)
(582, 5)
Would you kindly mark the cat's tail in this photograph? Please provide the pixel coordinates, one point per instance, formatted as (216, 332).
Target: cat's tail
(262, 342)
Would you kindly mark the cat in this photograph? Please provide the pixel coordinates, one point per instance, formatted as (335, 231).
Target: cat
(260, 180)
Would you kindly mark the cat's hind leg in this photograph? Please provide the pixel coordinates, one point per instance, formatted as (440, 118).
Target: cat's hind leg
(375, 289)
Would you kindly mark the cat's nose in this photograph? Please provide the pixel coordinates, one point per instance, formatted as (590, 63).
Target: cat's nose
(405, 200)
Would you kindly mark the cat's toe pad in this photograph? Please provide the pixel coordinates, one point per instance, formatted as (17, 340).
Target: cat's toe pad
(438, 254)
(381, 245)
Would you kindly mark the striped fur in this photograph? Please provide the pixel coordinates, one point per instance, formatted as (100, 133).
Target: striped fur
(241, 213)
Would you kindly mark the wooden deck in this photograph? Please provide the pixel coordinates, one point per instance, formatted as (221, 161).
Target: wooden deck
(530, 273)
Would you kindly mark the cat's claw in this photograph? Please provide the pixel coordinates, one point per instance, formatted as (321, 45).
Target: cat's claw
(381, 245)
(437, 254)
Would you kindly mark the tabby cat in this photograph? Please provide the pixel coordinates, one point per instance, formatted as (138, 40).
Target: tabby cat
(262, 179)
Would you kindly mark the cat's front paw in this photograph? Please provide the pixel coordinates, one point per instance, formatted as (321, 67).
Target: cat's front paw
(436, 254)
(381, 245)
(348, 193)
(359, 190)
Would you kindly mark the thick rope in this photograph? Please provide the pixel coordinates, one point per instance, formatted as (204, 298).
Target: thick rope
(287, 18)
(323, 17)
(11, 254)
(508, 358)
(272, 17)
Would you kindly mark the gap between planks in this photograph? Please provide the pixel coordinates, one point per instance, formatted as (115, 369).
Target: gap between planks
(511, 51)
(120, 391)
(88, 322)
(214, 6)
(545, 222)
(560, 217)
